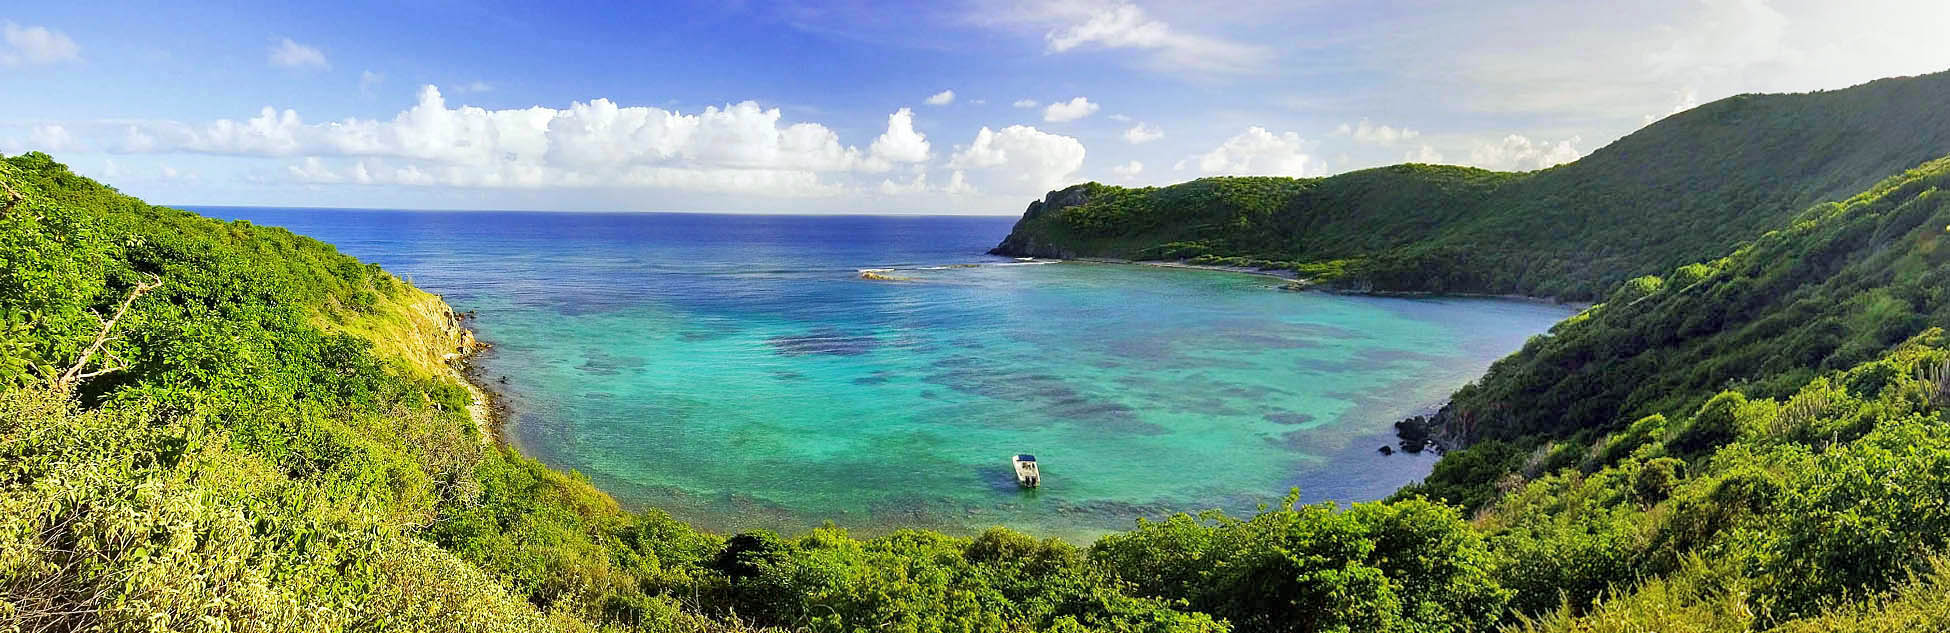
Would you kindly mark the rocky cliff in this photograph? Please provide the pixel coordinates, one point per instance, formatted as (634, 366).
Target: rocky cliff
(1024, 242)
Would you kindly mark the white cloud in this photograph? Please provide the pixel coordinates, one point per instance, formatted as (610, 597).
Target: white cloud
(314, 171)
(1124, 25)
(901, 143)
(1120, 118)
(477, 86)
(1624, 66)
(942, 98)
(1423, 154)
(1025, 103)
(369, 80)
(1023, 154)
(36, 45)
(958, 184)
(1518, 153)
(917, 185)
(1128, 170)
(762, 182)
(740, 147)
(1143, 133)
(1365, 132)
(51, 138)
(1071, 110)
(289, 54)
(1257, 152)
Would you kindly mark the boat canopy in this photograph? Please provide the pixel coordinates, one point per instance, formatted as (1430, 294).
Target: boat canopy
(1026, 458)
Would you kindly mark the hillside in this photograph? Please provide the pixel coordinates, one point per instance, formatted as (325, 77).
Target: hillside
(1834, 289)
(266, 441)
(1687, 188)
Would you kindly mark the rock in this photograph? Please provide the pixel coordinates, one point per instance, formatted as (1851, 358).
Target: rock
(1387, 450)
(1414, 433)
(1022, 243)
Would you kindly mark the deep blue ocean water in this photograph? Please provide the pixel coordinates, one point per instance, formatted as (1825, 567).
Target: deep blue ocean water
(739, 372)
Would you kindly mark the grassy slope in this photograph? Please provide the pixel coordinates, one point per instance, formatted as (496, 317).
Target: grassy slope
(1687, 188)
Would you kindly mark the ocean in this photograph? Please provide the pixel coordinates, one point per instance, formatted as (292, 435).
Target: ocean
(738, 371)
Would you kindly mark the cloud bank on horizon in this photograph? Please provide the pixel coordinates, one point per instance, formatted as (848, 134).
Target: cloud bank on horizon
(974, 106)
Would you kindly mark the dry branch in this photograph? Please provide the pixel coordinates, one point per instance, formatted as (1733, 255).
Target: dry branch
(75, 374)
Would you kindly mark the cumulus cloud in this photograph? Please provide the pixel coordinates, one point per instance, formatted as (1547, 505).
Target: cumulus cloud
(942, 98)
(289, 54)
(1127, 26)
(1257, 152)
(592, 144)
(1128, 170)
(374, 171)
(1518, 153)
(1369, 133)
(1071, 110)
(901, 143)
(1022, 154)
(958, 184)
(1143, 133)
(36, 45)
(1025, 103)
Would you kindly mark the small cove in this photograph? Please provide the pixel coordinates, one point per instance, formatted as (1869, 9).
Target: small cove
(738, 372)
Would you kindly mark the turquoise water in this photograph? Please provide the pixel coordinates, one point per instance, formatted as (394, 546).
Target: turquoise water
(738, 372)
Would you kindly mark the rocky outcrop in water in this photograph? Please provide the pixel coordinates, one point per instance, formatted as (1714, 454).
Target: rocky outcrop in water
(1023, 241)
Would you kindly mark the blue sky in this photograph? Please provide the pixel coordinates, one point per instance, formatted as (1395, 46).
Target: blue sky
(846, 107)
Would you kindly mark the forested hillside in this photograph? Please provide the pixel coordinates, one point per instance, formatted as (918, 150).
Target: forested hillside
(1687, 188)
(264, 440)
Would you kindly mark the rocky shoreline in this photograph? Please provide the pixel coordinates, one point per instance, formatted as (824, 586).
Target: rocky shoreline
(485, 406)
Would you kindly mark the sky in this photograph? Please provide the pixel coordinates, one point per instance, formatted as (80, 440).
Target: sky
(862, 106)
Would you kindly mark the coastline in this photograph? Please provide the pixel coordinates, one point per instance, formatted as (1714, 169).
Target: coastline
(1302, 284)
(1580, 306)
(1244, 270)
(485, 406)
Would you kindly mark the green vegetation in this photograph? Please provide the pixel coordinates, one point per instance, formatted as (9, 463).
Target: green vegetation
(266, 439)
(1686, 189)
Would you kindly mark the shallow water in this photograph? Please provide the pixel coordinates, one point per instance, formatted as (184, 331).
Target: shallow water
(737, 371)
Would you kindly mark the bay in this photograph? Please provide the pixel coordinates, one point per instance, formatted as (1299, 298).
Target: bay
(738, 371)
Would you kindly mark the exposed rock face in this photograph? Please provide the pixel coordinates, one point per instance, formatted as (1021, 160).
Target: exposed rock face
(1023, 240)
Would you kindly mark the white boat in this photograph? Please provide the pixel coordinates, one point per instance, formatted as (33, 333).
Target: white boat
(1026, 472)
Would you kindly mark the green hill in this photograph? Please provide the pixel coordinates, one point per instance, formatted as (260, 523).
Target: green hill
(1685, 189)
(210, 426)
